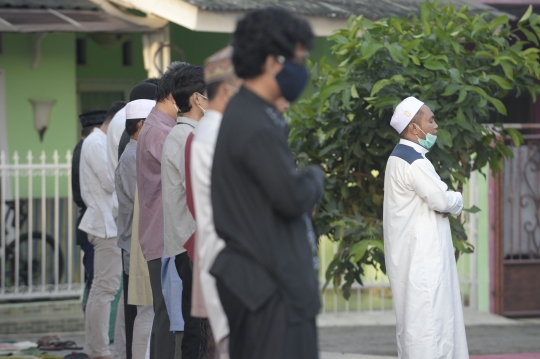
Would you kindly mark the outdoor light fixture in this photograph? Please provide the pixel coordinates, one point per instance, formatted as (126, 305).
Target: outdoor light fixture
(42, 115)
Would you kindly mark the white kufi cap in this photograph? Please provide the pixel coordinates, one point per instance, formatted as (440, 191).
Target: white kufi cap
(139, 109)
(404, 113)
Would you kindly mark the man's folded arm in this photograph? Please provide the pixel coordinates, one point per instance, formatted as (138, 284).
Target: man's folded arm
(268, 160)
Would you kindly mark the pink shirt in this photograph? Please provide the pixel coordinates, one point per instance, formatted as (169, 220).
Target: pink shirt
(149, 149)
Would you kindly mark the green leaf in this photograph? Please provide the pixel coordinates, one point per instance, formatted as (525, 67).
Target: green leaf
(354, 93)
(358, 250)
(434, 65)
(332, 89)
(445, 137)
(499, 106)
(501, 81)
(499, 20)
(395, 23)
(508, 70)
(371, 50)
(451, 89)
(527, 14)
(462, 96)
(515, 135)
(473, 209)
(379, 85)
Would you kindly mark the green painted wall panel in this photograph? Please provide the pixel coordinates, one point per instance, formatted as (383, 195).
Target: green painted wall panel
(196, 46)
(54, 78)
(105, 62)
(482, 245)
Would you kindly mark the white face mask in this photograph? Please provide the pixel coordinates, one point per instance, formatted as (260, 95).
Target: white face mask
(176, 107)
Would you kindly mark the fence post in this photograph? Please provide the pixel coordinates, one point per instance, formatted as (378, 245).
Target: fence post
(17, 216)
(56, 220)
(3, 174)
(43, 219)
(70, 225)
(30, 159)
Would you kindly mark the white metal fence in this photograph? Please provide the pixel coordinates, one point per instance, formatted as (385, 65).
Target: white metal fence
(37, 221)
(38, 255)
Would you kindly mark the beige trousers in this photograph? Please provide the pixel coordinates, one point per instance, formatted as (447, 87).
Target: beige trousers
(141, 331)
(107, 272)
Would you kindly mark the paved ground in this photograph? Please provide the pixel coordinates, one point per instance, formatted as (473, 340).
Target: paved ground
(381, 340)
(372, 336)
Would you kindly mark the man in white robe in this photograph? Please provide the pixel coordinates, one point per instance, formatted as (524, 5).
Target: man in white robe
(418, 243)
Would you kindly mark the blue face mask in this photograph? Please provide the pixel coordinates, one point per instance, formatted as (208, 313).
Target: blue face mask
(292, 80)
(429, 141)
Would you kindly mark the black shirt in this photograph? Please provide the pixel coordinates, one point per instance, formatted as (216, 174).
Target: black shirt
(260, 201)
(81, 237)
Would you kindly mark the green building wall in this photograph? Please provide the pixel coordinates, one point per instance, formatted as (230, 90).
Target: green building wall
(105, 62)
(482, 244)
(54, 78)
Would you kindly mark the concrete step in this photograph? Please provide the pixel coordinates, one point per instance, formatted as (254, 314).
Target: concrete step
(41, 317)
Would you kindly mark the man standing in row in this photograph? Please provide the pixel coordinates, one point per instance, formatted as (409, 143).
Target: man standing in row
(139, 330)
(222, 84)
(179, 223)
(157, 126)
(89, 121)
(97, 190)
(267, 273)
(418, 242)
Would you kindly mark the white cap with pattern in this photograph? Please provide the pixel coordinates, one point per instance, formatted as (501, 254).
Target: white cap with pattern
(404, 113)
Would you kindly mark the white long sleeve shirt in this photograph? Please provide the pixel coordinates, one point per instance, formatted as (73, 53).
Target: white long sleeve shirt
(114, 133)
(208, 244)
(420, 257)
(97, 187)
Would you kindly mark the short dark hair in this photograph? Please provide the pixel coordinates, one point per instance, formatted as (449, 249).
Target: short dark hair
(151, 80)
(269, 31)
(187, 82)
(416, 120)
(143, 91)
(86, 131)
(167, 83)
(131, 125)
(212, 89)
(115, 107)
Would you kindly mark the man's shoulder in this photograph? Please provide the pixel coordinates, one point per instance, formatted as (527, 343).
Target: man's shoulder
(406, 153)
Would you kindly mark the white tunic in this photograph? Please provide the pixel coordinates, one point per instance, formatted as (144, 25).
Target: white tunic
(208, 243)
(420, 257)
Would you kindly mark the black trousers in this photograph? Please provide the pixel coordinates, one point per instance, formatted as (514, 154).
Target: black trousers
(266, 333)
(162, 339)
(130, 313)
(191, 343)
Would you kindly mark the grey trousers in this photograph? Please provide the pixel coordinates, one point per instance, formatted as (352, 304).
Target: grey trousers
(162, 343)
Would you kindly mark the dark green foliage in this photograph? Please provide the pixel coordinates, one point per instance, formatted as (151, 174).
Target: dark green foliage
(460, 65)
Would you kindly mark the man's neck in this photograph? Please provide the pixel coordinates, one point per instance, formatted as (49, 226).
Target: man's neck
(192, 115)
(217, 105)
(167, 109)
(260, 88)
(104, 128)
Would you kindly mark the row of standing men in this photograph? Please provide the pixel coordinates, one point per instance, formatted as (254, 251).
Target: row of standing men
(205, 221)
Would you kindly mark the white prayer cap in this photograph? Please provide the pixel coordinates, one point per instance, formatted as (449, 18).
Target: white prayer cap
(139, 109)
(404, 113)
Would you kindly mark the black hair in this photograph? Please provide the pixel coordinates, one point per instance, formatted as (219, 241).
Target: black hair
(143, 91)
(115, 107)
(270, 31)
(187, 82)
(131, 125)
(167, 82)
(212, 89)
(417, 119)
(151, 80)
(86, 131)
